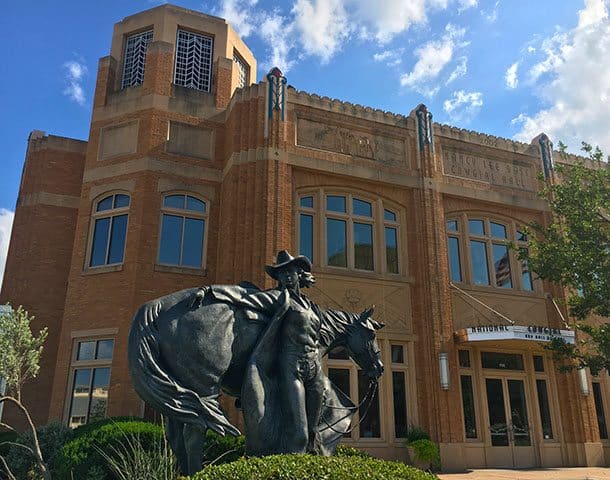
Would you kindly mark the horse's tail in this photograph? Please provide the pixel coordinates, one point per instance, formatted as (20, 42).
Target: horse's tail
(158, 388)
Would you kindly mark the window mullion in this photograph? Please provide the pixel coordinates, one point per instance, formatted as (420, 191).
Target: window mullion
(350, 250)
(89, 399)
(490, 262)
(110, 226)
(182, 240)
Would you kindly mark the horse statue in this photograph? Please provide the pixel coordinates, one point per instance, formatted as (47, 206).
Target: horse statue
(187, 347)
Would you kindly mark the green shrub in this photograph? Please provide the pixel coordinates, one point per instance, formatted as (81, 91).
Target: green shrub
(218, 449)
(347, 451)
(131, 461)
(81, 457)
(311, 467)
(51, 438)
(426, 451)
(6, 436)
(92, 426)
(415, 433)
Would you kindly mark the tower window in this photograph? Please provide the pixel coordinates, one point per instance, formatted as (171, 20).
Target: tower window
(242, 71)
(135, 58)
(193, 60)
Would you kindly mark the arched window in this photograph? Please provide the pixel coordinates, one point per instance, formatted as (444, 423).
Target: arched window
(359, 233)
(183, 221)
(479, 253)
(109, 231)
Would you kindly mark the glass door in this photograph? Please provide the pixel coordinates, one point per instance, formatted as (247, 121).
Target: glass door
(509, 425)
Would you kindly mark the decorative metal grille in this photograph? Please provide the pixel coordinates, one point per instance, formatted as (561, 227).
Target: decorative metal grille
(135, 58)
(242, 71)
(193, 60)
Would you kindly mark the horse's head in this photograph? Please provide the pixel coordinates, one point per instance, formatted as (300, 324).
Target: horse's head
(361, 344)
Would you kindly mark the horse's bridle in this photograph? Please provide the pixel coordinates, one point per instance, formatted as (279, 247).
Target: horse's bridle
(370, 394)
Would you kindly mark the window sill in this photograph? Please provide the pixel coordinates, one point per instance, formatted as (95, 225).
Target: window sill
(103, 269)
(343, 271)
(202, 272)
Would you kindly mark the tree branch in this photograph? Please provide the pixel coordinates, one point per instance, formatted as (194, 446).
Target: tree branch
(8, 427)
(36, 451)
(6, 469)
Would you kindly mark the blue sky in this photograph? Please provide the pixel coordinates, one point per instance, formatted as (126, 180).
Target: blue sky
(511, 68)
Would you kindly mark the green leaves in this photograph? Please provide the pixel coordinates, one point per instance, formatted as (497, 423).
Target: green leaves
(304, 467)
(574, 248)
(20, 350)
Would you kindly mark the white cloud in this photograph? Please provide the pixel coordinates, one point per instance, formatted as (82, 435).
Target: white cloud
(594, 11)
(6, 223)
(390, 57)
(510, 77)
(75, 72)
(239, 14)
(531, 49)
(491, 15)
(459, 71)
(387, 18)
(463, 105)
(432, 57)
(277, 31)
(573, 83)
(465, 4)
(323, 26)
(552, 48)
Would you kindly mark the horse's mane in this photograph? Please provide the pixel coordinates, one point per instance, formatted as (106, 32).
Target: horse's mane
(334, 324)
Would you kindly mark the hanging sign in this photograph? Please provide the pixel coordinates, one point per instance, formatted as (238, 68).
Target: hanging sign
(534, 333)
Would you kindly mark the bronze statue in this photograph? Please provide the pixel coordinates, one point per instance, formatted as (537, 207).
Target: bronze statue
(262, 347)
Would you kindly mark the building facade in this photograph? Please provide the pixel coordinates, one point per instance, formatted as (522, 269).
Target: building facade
(195, 174)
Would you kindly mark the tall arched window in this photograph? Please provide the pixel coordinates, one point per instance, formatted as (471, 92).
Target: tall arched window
(359, 233)
(109, 231)
(479, 252)
(183, 221)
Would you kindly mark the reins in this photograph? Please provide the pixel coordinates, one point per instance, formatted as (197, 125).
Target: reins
(370, 394)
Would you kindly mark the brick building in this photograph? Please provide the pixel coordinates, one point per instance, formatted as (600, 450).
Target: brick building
(195, 174)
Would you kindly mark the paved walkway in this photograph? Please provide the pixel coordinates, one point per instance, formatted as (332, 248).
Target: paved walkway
(590, 473)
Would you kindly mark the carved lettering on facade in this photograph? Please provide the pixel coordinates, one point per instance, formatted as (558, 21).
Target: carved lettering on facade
(332, 138)
(494, 172)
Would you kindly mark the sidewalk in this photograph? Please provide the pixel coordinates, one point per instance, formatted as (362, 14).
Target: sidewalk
(585, 473)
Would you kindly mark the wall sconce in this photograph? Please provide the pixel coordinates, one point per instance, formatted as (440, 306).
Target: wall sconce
(583, 381)
(443, 359)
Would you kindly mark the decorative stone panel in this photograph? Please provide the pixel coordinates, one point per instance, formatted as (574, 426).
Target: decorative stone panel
(189, 140)
(332, 138)
(118, 140)
(515, 174)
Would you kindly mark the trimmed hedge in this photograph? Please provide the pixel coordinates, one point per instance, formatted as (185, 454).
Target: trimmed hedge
(81, 458)
(311, 467)
(219, 449)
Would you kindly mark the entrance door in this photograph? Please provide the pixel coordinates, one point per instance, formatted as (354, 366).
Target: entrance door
(510, 443)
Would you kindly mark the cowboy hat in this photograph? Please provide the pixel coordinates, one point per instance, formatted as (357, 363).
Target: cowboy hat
(284, 259)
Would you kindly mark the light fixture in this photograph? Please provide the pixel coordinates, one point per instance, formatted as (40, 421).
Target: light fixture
(443, 359)
(583, 381)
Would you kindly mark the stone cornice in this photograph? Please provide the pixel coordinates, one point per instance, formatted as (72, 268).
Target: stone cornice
(346, 108)
(470, 136)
